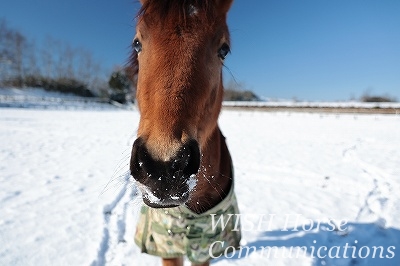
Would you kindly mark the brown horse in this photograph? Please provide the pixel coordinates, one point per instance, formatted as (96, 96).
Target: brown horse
(180, 160)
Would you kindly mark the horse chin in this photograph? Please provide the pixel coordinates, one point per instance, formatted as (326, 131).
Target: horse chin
(172, 201)
(167, 194)
(159, 205)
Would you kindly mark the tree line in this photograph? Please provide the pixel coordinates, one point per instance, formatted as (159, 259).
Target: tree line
(236, 91)
(51, 64)
(57, 65)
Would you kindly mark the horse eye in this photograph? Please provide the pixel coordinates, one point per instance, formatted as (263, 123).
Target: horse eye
(137, 45)
(224, 51)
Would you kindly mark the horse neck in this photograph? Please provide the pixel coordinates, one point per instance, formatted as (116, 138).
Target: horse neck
(215, 176)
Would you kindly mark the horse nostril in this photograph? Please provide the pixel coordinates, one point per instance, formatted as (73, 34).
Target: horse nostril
(181, 160)
(192, 158)
(136, 164)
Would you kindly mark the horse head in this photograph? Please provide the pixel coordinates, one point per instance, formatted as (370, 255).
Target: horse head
(178, 50)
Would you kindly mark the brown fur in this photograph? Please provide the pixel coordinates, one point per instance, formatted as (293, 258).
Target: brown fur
(181, 81)
(180, 89)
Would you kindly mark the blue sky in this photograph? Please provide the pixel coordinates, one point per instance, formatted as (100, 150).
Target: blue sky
(309, 49)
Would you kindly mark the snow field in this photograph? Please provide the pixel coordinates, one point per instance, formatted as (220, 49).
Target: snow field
(66, 198)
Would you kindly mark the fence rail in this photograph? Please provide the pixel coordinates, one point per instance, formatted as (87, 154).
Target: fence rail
(322, 107)
(28, 101)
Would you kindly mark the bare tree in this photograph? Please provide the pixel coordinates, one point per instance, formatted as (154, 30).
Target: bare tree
(22, 62)
(12, 47)
(18, 58)
(47, 56)
(88, 68)
(69, 58)
(66, 59)
(5, 61)
(32, 65)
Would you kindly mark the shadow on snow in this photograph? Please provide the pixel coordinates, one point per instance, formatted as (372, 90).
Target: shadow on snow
(358, 244)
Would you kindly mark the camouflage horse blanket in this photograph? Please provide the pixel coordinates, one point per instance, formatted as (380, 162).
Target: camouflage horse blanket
(175, 232)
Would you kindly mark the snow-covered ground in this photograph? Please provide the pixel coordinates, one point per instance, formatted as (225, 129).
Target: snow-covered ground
(40, 98)
(317, 104)
(65, 198)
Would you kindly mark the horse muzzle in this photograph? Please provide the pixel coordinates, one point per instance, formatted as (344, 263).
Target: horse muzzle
(168, 183)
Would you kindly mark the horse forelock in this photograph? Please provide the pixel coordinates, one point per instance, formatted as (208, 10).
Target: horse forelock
(181, 10)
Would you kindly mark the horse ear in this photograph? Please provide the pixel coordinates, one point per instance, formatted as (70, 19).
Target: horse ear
(143, 1)
(224, 5)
